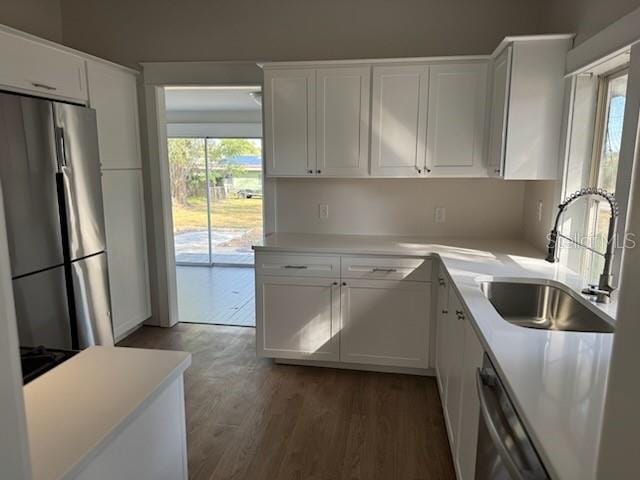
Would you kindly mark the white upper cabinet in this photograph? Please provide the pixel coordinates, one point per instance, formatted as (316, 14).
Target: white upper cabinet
(399, 120)
(343, 121)
(317, 121)
(498, 115)
(113, 94)
(499, 96)
(456, 120)
(289, 122)
(29, 66)
(527, 107)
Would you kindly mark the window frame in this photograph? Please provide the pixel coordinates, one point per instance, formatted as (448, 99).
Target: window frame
(602, 111)
(599, 122)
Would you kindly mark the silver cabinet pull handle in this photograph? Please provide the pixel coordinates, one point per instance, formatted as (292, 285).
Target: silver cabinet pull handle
(43, 85)
(296, 267)
(386, 270)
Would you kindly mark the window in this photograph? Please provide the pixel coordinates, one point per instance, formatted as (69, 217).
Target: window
(597, 128)
(216, 195)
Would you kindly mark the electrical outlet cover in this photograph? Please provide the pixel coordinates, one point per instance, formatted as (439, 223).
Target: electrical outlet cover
(323, 211)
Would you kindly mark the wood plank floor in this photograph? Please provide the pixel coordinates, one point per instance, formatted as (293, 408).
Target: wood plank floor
(248, 418)
(216, 295)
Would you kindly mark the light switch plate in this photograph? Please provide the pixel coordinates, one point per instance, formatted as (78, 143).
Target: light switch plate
(440, 215)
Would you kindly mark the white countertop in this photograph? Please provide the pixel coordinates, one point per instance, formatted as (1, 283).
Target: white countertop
(75, 409)
(555, 379)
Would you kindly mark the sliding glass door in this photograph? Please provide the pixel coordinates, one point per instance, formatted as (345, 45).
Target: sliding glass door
(216, 190)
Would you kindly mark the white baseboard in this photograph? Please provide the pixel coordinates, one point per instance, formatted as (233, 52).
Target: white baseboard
(425, 372)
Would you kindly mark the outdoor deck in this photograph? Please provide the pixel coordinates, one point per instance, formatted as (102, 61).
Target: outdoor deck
(216, 295)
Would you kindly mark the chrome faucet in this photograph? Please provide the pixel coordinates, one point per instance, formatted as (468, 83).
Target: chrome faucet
(602, 291)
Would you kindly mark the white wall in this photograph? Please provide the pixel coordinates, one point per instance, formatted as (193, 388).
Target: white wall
(535, 230)
(474, 207)
(194, 30)
(584, 17)
(214, 124)
(38, 17)
(618, 457)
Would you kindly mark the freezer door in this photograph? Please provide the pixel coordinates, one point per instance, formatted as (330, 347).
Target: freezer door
(28, 174)
(91, 301)
(42, 309)
(79, 162)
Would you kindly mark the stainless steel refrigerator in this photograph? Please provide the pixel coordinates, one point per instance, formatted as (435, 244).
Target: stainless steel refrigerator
(51, 183)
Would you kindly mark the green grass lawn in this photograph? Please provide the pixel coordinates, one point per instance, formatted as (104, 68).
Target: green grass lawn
(228, 213)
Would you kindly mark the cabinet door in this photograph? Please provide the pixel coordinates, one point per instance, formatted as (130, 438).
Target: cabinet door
(455, 357)
(442, 317)
(290, 122)
(343, 121)
(113, 94)
(297, 317)
(501, 79)
(126, 248)
(470, 405)
(456, 119)
(32, 67)
(399, 116)
(385, 323)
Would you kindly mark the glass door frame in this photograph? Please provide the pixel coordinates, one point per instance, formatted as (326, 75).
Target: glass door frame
(210, 262)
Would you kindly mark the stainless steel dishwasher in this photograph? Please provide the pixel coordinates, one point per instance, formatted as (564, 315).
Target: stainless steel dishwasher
(505, 451)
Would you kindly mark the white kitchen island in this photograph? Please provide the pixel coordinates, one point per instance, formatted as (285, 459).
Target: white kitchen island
(109, 413)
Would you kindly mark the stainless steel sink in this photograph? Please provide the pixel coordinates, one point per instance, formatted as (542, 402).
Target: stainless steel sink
(546, 307)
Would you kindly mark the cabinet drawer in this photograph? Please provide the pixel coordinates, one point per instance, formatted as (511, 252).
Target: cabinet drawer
(29, 66)
(387, 268)
(298, 265)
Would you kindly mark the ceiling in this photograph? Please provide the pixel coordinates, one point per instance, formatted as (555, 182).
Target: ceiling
(211, 99)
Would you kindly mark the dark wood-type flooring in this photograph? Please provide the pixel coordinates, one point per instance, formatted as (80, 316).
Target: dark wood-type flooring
(248, 418)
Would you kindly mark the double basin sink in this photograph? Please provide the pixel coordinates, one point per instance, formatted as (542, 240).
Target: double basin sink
(542, 306)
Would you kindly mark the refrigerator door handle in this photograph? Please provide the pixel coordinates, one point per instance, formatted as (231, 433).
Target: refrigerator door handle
(61, 147)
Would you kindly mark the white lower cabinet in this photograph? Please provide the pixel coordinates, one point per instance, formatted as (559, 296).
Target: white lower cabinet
(385, 323)
(316, 310)
(442, 315)
(470, 405)
(459, 353)
(153, 446)
(297, 317)
(454, 343)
